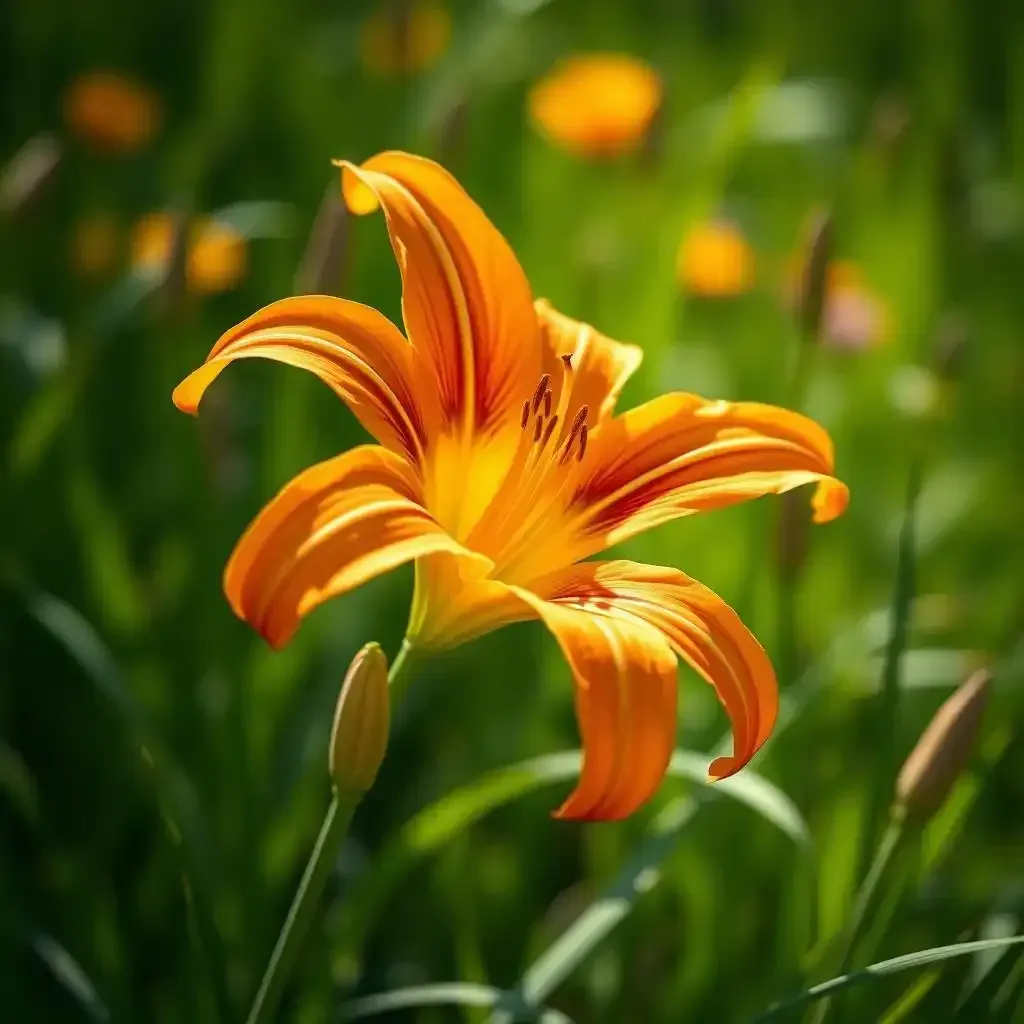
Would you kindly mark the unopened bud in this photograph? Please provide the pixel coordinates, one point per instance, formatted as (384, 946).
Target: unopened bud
(814, 276)
(28, 173)
(323, 262)
(361, 721)
(943, 750)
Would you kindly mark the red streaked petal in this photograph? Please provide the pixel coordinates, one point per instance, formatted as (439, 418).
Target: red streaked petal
(625, 674)
(681, 454)
(355, 350)
(701, 628)
(332, 528)
(466, 302)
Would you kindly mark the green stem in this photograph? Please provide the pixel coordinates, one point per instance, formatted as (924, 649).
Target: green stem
(788, 583)
(867, 898)
(887, 759)
(314, 878)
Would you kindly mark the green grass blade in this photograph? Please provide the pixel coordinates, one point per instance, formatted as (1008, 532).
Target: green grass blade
(983, 997)
(887, 706)
(909, 1001)
(640, 874)
(75, 634)
(883, 968)
(437, 824)
(447, 994)
(69, 974)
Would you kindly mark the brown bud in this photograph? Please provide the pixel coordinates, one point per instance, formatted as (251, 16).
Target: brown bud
(943, 750)
(815, 272)
(323, 262)
(359, 737)
(28, 173)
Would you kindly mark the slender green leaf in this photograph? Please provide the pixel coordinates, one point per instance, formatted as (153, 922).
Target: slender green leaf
(69, 974)
(448, 994)
(909, 1001)
(983, 997)
(76, 635)
(639, 875)
(437, 824)
(885, 967)
(887, 702)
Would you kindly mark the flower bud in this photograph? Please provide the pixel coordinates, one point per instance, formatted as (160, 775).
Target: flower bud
(943, 750)
(815, 274)
(323, 262)
(359, 737)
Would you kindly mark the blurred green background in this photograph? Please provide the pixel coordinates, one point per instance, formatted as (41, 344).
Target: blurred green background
(162, 773)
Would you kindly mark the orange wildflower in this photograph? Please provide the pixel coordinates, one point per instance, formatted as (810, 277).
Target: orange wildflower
(598, 105)
(216, 256)
(405, 37)
(500, 464)
(111, 111)
(715, 261)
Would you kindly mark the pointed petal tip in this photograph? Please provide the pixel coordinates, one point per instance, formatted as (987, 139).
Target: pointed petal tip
(359, 197)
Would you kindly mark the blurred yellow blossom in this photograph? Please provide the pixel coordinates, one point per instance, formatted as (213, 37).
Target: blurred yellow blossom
(401, 38)
(715, 260)
(111, 111)
(597, 105)
(215, 260)
(94, 244)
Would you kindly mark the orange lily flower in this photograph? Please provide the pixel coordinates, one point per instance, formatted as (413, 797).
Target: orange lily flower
(500, 464)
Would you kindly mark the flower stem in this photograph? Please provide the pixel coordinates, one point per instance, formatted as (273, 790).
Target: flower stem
(868, 896)
(314, 878)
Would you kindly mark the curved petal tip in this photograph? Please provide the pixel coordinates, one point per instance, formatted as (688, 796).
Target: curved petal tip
(830, 499)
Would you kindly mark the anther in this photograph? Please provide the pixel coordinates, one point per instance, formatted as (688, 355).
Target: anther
(549, 430)
(583, 443)
(581, 418)
(538, 426)
(542, 387)
(525, 418)
(547, 404)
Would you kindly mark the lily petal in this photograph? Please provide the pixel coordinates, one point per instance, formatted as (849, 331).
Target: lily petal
(701, 628)
(466, 301)
(681, 454)
(625, 675)
(600, 366)
(329, 530)
(352, 348)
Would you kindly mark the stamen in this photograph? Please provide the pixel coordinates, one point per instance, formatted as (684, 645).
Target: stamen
(538, 426)
(525, 418)
(549, 430)
(583, 443)
(542, 387)
(581, 418)
(547, 404)
(577, 424)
